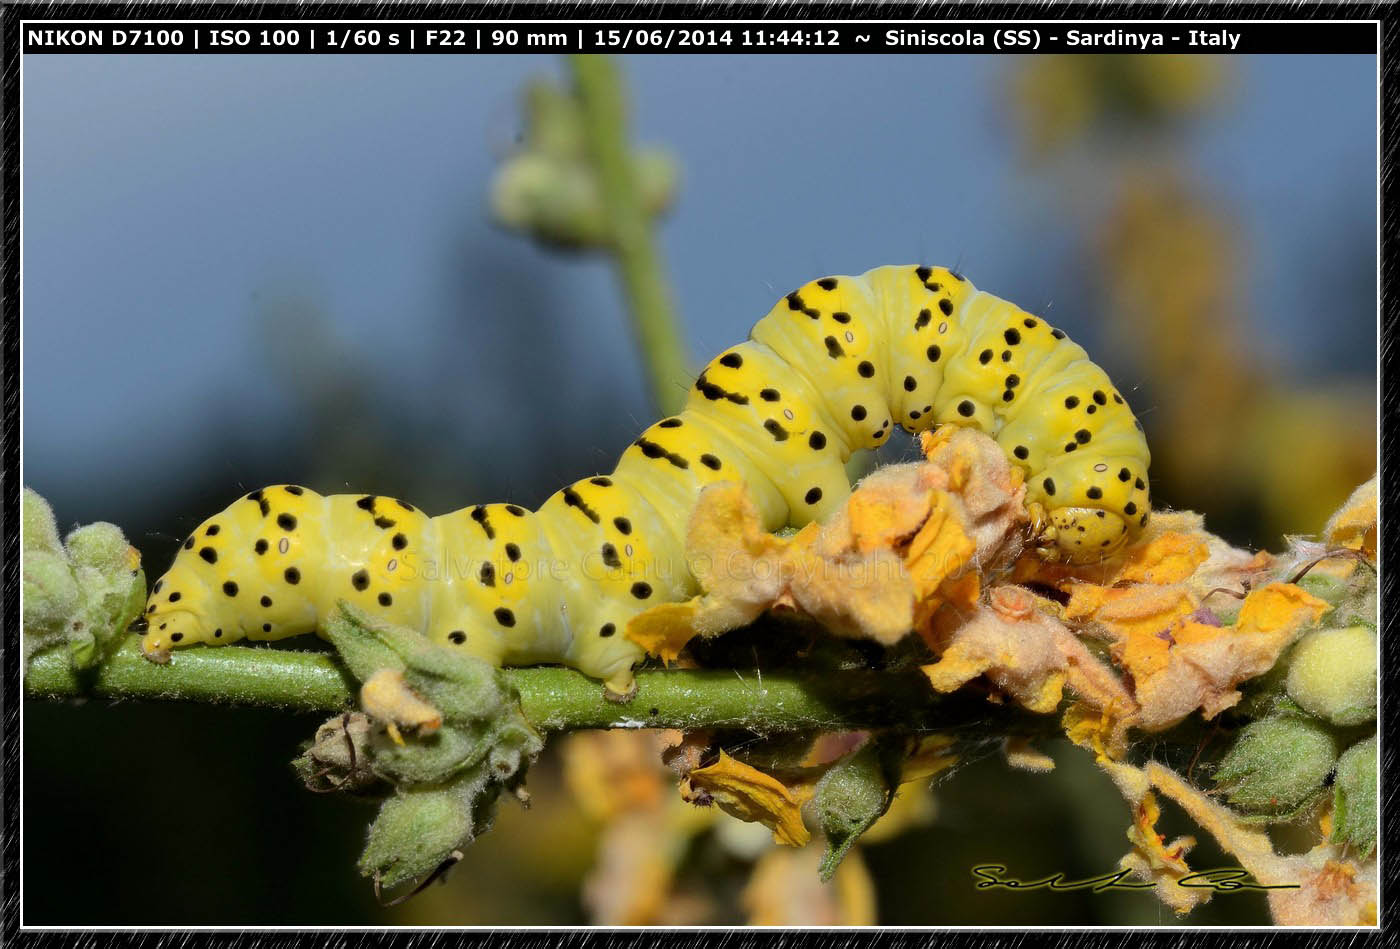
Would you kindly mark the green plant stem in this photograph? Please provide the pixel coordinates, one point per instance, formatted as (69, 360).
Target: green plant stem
(237, 675)
(654, 321)
(553, 699)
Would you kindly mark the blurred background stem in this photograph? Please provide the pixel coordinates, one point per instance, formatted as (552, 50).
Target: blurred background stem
(654, 320)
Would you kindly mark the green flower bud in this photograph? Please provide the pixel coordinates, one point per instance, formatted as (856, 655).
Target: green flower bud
(364, 645)
(1276, 765)
(464, 688)
(550, 189)
(560, 202)
(111, 602)
(658, 178)
(552, 200)
(1354, 797)
(1332, 674)
(113, 591)
(100, 546)
(853, 794)
(416, 832)
(51, 592)
(39, 530)
(87, 593)
(447, 779)
(428, 759)
(1265, 695)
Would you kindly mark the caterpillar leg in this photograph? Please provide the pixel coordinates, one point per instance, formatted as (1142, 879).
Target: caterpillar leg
(156, 643)
(1077, 535)
(608, 654)
(621, 687)
(614, 667)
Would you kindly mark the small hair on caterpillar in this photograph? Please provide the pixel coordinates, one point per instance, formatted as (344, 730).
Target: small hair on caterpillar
(831, 369)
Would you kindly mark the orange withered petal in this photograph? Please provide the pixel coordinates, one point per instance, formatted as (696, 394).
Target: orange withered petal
(747, 793)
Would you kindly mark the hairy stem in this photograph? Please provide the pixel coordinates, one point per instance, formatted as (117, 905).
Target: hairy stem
(239, 675)
(654, 321)
(553, 699)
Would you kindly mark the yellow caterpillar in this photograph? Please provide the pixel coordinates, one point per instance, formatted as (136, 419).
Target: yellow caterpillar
(828, 371)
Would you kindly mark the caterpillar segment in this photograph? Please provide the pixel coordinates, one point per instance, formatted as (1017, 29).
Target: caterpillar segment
(832, 368)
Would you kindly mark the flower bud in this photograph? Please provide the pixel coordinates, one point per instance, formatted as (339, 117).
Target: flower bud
(102, 547)
(50, 597)
(417, 830)
(86, 593)
(469, 740)
(1332, 674)
(1354, 808)
(850, 797)
(38, 528)
(1276, 765)
(550, 189)
(51, 594)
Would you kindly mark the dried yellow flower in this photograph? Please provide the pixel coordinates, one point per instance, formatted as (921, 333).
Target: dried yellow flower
(1025, 653)
(1318, 888)
(1021, 753)
(747, 793)
(386, 697)
(1126, 612)
(852, 595)
(910, 539)
(1159, 862)
(1281, 608)
(1191, 664)
(1102, 730)
(1354, 524)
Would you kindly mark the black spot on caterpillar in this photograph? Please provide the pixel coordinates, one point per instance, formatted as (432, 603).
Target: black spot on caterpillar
(824, 374)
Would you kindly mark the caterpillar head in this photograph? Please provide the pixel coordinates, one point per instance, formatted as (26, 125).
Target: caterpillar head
(174, 617)
(1080, 535)
(1090, 505)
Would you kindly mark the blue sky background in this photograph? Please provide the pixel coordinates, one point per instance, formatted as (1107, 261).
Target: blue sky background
(167, 198)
